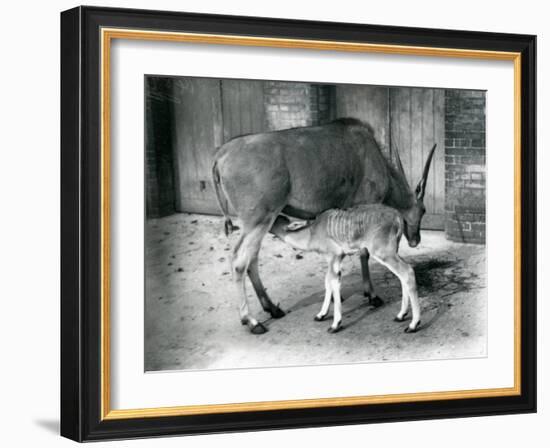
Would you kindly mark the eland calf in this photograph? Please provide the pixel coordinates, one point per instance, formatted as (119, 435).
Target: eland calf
(337, 233)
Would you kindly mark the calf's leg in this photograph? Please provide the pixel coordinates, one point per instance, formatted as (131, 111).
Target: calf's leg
(328, 296)
(335, 282)
(404, 304)
(332, 291)
(405, 273)
(368, 289)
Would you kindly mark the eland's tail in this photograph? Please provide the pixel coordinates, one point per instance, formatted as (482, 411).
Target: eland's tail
(222, 200)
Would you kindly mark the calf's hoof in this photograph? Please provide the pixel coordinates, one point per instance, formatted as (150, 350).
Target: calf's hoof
(276, 312)
(400, 319)
(318, 318)
(258, 329)
(336, 329)
(413, 329)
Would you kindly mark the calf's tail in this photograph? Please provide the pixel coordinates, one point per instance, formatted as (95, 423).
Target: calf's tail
(222, 200)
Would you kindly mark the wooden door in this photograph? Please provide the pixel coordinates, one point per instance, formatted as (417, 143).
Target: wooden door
(243, 107)
(207, 113)
(369, 104)
(417, 120)
(198, 131)
(410, 119)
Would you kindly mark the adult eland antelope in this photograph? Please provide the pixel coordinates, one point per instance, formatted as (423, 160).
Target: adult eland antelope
(302, 172)
(336, 233)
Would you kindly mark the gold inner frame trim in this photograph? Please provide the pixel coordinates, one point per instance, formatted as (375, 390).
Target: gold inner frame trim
(107, 35)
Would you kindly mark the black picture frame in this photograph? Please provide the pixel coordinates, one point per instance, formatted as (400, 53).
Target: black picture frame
(81, 224)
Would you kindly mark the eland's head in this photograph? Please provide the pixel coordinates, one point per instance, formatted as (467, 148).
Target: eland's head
(414, 210)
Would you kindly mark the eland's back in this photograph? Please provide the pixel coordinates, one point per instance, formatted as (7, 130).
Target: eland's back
(304, 170)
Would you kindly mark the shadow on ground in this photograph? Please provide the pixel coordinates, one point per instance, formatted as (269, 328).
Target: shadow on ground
(51, 426)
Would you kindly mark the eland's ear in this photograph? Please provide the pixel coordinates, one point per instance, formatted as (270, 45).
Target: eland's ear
(296, 225)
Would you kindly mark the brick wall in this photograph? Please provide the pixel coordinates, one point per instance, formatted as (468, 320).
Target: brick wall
(291, 104)
(465, 166)
(159, 194)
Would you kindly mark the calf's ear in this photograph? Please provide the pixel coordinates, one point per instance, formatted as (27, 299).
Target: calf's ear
(296, 225)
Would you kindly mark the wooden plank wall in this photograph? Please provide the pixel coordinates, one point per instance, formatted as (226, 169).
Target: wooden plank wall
(198, 131)
(417, 122)
(159, 192)
(243, 108)
(207, 113)
(410, 119)
(370, 104)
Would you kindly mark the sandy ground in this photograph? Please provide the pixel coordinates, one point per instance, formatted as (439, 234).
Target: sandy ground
(192, 320)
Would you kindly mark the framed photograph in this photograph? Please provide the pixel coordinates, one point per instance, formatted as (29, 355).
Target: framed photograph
(272, 224)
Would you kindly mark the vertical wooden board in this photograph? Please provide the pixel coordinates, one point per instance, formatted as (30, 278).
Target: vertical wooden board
(417, 155)
(230, 115)
(401, 127)
(198, 131)
(439, 155)
(367, 103)
(158, 144)
(151, 185)
(242, 107)
(426, 145)
(258, 122)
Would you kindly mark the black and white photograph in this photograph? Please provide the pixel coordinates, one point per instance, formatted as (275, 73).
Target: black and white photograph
(297, 224)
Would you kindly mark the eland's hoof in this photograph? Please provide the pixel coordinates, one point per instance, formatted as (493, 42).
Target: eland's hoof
(318, 318)
(277, 313)
(332, 330)
(258, 329)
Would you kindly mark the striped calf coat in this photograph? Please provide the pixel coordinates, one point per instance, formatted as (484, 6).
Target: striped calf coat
(337, 233)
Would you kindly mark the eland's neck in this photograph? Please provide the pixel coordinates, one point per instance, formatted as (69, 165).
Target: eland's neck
(399, 195)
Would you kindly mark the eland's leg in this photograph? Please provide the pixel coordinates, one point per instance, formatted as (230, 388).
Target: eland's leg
(368, 289)
(405, 273)
(244, 252)
(267, 304)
